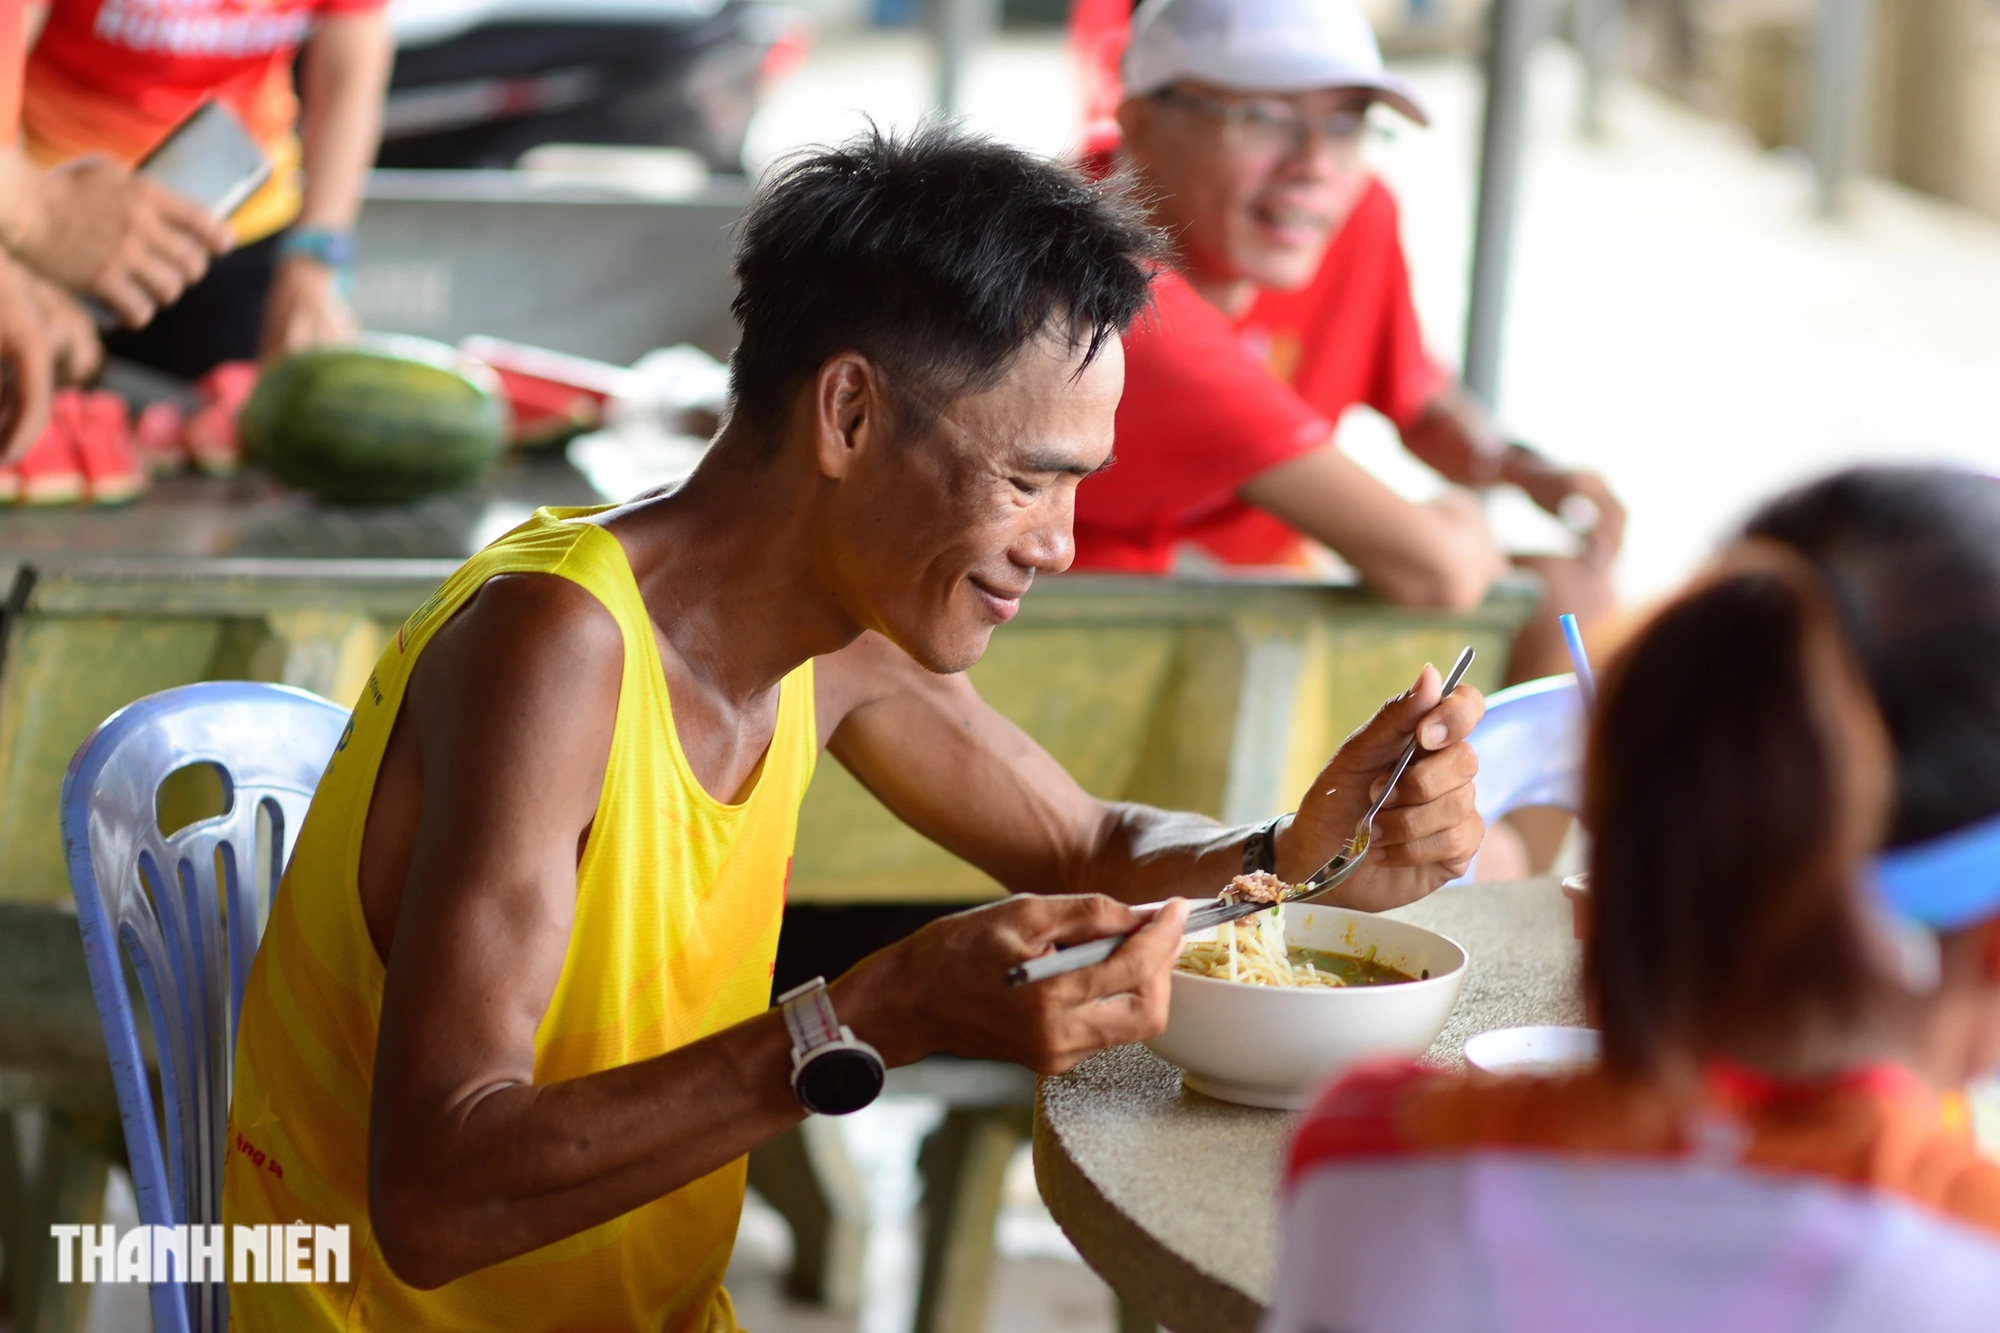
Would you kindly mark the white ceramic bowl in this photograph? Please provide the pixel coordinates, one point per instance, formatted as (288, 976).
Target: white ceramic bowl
(1274, 1046)
(1533, 1050)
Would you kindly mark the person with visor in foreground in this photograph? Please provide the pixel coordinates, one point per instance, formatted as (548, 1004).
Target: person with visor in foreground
(1289, 302)
(510, 1020)
(1778, 1137)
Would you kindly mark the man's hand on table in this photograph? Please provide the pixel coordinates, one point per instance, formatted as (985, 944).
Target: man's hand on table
(1427, 833)
(945, 988)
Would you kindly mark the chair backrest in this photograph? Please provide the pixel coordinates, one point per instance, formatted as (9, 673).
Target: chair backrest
(187, 910)
(1530, 748)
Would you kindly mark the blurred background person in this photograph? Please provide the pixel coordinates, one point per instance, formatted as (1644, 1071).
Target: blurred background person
(114, 77)
(1788, 1020)
(24, 355)
(90, 226)
(1242, 124)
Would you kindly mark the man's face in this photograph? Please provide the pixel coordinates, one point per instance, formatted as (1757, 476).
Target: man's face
(1252, 186)
(936, 538)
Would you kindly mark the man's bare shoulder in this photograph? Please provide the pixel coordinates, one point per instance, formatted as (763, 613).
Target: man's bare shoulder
(525, 640)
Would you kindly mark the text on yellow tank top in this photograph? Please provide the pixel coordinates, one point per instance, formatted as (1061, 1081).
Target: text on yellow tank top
(679, 898)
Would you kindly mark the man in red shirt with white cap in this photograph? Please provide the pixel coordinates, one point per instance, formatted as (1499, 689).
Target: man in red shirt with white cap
(1241, 121)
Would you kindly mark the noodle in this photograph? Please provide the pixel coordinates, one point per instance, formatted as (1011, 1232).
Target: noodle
(1252, 952)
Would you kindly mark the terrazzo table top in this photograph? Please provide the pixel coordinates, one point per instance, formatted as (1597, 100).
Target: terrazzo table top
(1171, 1195)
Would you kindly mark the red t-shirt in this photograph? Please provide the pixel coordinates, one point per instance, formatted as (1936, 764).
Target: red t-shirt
(1209, 403)
(1199, 418)
(115, 76)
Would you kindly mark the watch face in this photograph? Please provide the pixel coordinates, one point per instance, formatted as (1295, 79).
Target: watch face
(839, 1081)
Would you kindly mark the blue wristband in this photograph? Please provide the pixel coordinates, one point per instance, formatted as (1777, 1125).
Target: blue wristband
(330, 248)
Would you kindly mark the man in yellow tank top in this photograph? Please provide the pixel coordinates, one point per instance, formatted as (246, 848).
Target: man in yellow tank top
(509, 1021)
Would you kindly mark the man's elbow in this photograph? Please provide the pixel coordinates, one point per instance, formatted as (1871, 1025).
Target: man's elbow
(418, 1242)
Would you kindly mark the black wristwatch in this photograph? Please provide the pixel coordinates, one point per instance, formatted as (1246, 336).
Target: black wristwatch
(833, 1071)
(1260, 849)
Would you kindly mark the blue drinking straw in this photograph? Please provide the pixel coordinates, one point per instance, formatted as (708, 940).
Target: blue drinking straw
(1586, 683)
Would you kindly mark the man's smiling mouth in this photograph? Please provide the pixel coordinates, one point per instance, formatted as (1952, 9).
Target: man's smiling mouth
(1000, 603)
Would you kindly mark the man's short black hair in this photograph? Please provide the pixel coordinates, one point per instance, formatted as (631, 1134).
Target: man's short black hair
(938, 256)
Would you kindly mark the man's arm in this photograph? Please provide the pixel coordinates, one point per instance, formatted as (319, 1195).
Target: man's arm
(1454, 437)
(345, 71)
(1431, 555)
(501, 749)
(951, 767)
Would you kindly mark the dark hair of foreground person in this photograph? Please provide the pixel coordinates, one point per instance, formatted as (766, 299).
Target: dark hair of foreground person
(938, 256)
(1829, 689)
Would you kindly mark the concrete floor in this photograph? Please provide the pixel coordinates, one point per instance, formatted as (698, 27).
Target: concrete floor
(1039, 1284)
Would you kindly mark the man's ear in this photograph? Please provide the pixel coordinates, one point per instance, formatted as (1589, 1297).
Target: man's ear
(850, 411)
(1135, 124)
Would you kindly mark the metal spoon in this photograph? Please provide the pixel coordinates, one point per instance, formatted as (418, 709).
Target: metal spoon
(1316, 885)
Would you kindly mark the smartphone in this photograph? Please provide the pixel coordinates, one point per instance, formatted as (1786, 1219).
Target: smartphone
(211, 159)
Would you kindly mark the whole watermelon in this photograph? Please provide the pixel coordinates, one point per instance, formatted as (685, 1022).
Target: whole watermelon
(357, 426)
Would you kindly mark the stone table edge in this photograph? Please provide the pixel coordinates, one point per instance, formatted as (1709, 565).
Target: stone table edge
(1129, 1258)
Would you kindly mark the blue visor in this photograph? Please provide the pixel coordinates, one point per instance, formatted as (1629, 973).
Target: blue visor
(1945, 883)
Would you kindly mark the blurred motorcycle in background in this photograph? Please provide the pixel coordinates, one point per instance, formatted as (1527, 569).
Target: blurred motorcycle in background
(478, 83)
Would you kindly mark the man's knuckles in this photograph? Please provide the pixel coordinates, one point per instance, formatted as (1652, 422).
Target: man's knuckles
(1446, 846)
(1436, 775)
(1460, 713)
(1453, 809)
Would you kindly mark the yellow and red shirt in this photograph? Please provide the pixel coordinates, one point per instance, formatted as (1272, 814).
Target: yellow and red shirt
(115, 76)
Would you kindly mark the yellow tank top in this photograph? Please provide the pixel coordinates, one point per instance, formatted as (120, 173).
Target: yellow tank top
(679, 898)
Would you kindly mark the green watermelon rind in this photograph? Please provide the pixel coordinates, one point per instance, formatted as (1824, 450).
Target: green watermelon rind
(359, 427)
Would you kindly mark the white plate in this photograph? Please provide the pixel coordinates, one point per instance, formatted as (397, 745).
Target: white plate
(1533, 1050)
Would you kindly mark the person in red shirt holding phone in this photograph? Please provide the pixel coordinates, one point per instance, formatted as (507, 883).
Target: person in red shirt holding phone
(91, 227)
(112, 78)
(1241, 122)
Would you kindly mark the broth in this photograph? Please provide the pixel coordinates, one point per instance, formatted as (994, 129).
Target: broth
(1350, 969)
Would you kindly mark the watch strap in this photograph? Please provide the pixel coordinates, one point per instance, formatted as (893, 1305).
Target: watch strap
(1260, 849)
(809, 1017)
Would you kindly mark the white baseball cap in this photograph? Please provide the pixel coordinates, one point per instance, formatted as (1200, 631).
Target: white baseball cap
(1261, 46)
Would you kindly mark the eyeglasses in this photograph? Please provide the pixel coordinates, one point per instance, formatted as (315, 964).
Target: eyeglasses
(1269, 125)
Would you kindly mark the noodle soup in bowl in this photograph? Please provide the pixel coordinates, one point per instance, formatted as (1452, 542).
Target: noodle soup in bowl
(1274, 1046)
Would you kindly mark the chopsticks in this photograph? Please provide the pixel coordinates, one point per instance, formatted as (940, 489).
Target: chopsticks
(1094, 952)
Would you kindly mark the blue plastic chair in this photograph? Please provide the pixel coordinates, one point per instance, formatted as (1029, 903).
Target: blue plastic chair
(189, 911)
(1530, 748)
